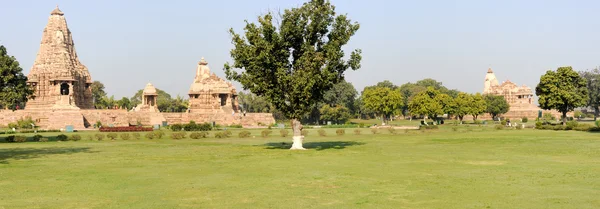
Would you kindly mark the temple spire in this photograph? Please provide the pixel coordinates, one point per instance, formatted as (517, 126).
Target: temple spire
(57, 11)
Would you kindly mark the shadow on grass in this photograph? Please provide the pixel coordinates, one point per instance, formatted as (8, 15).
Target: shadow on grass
(28, 153)
(314, 145)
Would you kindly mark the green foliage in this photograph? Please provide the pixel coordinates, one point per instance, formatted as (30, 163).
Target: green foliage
(524, 119)
(191, 126)
(392, 130)
(266, 133)
(428, 103)
(292, 64)
(340, 132)
(62, 137)
(503, 122)
(284, 133)
(43, 139)
(562, 90)
(136, 135)
(98, 94)
(227, 133)
(578, 114)
(178, 135)
(13, 84)
(374, 131)
(382, 100)
(341, 94)
(357, 131)
(500, 127)
(37, 137)
(112, 136)
(220, 135)
(571, 125)
(235, 126)
(125, 136)
(158, 134)
(322, 132)
(17, 138)
(150, 135)
(496, 105)
(519, 127)
(75, 137)
(478, 105)
(592, 78)
(597, 123)
(99, 136)
(244, 134)
(198, 135)
(338, 114)
(548, 116)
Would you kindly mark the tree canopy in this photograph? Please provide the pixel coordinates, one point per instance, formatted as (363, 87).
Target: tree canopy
(293, 60)
(477, 106)
(427, 103)
(13, 84)
(496, 105)
(562, 90)
(462, 105)
(382, 100)
(593, 85)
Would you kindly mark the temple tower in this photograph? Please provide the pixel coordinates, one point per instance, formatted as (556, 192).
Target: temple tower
(58, 77)
(211, 94)
(149, 100)
(490, 81)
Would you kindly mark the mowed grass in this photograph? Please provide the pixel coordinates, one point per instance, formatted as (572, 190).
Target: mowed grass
(472, 167)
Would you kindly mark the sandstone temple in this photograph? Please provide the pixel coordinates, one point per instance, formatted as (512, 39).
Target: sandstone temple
(63, 94)
(520, 98)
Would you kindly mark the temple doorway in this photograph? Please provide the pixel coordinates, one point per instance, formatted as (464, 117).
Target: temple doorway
(64, 89)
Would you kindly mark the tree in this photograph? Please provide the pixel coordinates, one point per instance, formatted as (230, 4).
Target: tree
(342, 93)
(562, 90)
(427, 103)
(409, 90)
(98, 93)
(462, 105)
(252, 103)
(496, 105)
(447, 102)
(178, 104)
(124, 103)
(593, 85)
(382, 100)
(478, 106)
(293, 63)
(339, 114)
(13, 84)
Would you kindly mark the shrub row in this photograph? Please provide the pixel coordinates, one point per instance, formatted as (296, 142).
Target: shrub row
(191, 126)
(125, 129)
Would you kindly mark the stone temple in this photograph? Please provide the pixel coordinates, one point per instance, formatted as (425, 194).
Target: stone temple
(520, 98)
(63, 94)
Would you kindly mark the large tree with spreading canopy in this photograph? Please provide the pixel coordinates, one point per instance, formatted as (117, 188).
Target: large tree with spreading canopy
(13, 84)
(562, 90)
(293, 58)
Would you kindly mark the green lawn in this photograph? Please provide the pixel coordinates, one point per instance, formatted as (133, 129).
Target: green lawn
(472, 167)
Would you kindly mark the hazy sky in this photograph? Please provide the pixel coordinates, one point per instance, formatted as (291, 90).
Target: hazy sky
(126, 44)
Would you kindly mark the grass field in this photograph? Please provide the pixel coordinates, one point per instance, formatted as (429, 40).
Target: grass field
(472, 167)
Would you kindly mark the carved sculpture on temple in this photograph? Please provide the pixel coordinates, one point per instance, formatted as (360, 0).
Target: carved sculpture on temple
(59, 79)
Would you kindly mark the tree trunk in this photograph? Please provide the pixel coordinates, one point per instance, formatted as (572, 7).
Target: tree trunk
(595, 113)
(297, 138)
(383, 119)
(564, 118)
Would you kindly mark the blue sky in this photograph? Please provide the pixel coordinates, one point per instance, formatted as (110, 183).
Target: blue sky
(126, 44)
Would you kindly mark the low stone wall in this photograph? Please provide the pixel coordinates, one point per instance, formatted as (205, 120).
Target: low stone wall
(80, 119)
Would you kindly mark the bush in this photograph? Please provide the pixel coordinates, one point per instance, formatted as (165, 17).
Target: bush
(178, 135)
(125, 136)
(538, 125)
(524, 119)
(112, 136)
(150, 135)
(198, 135)
(589, 115)
(357, 131)
(227, 133)
(392, 130)
(125, 129)
(322, 132)
(597, 123)
(158, 134)
(176, 127)
(62, 137)
(284, 133)
(519, 127)
(304, 132)
(244, 134)
(37, 137)
(571, 125)
(374, 131)
(503, 122)
(75, 137)
(235, 126)
(136, 135)
(477, 122)
(340, 132)
(499, 127)
(99, 136)
(43, 139)
(25, 122)
(265, 133)
(18, 138)
(220, 135)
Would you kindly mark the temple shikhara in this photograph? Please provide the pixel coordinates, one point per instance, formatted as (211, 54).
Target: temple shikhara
(63, 94)
(519, 98)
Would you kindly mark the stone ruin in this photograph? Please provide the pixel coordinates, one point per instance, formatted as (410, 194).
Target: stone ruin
(63, 94)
